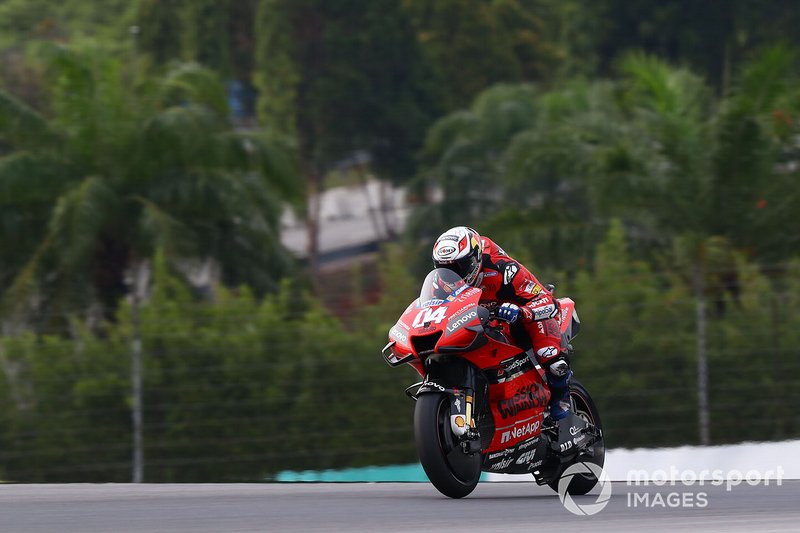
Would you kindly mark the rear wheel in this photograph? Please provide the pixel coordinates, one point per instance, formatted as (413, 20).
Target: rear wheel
(584, 407)
(453, 472)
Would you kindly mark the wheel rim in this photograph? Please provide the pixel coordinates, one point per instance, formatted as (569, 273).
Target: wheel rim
(459, 463)
(580, 406)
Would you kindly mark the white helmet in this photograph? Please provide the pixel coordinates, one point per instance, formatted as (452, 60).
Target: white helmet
(459, 249)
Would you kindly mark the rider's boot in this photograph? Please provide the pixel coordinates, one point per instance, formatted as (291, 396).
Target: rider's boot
(558, 377)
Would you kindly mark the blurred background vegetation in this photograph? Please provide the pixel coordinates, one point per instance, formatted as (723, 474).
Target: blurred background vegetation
(644, 155)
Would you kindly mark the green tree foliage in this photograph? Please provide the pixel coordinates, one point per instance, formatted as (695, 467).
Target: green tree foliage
(206, 35)
(235, 390)
(217, 34)
(635, 350)
(22, 20)
(342, 77)
(118, 171)
(474, 44)
(159, 29)
(238, 389)
(713, 38)
(654, 147)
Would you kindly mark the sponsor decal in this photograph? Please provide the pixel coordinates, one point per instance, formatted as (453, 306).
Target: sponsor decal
(501, 453)
(444, 251)
(461, 321)
(466, 307)
(502, 465)
(528, 443)
(577, 440)
(528, 397)
(510, 271)
(448, 238)
(514, 364)
(565, 446)
(532, 288)
(545, 311)
(490, 274)
(398, 335)
(547, 352)
(471, 292)
(574, 430)
(433, 385)
(521, 431)
(402, 325)
(457, 403)
(536, 464)
(457, 292)
(526, 457)
(431, 303)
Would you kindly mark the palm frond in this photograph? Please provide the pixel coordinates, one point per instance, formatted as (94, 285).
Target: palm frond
(78, 218)
(178, 138)
(21, 126)
(445, 131)
(29, 179)
(159, 230)
(766, 79)
(195, 84)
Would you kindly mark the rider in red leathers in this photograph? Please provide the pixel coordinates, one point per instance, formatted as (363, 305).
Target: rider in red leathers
(518, 297)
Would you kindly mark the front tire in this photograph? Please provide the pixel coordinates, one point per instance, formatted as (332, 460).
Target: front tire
(453, 472)
(584, 407)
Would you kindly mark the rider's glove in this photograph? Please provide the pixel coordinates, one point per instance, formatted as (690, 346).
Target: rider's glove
(508, 312)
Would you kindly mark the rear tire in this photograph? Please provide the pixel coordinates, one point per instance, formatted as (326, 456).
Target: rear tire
(453, 472)
(584, 407)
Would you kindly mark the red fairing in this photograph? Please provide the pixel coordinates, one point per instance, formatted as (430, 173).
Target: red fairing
(567, 309)
(518, 394)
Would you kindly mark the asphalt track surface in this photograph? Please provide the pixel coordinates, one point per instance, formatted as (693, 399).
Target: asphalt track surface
(506, 507)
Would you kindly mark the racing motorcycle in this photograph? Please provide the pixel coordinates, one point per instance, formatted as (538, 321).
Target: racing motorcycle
(482, 402)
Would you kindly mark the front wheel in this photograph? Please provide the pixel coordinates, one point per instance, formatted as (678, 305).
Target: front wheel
(453, 472)
(584, 407)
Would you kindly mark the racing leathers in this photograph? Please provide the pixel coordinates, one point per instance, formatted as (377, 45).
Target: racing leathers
(521, 299)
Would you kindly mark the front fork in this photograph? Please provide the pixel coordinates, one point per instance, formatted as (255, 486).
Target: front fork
(457, 379)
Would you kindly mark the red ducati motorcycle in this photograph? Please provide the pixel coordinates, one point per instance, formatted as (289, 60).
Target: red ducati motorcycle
(482, 403)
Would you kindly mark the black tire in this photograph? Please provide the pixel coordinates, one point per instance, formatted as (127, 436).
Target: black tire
(583, 406)
(453, 472)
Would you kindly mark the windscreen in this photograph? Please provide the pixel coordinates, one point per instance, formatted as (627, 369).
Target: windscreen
(438, 285)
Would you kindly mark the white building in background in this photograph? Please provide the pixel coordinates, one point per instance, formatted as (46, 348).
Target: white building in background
(353, 221)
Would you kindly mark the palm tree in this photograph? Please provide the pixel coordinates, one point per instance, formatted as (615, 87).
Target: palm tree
(699, 177)
(115, 169)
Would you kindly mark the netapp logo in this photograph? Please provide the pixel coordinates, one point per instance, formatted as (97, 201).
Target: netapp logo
(519, 432)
